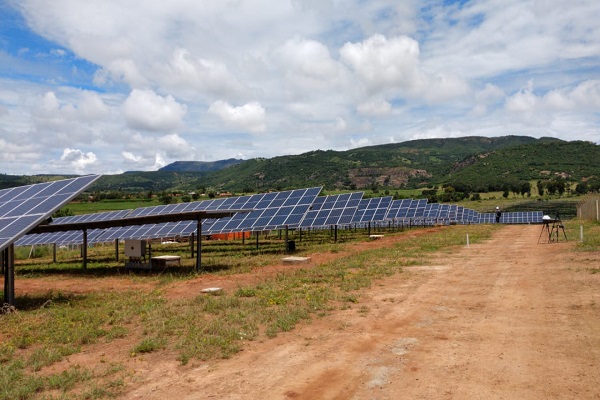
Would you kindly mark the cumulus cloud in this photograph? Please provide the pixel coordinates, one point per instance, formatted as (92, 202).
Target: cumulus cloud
(250, 117)
(87, 106)
(144, 152)
(147, 110)
(391, 67)
(585, 96)
(381, 63)
(130, 157)
(308, 58)
(77, 160)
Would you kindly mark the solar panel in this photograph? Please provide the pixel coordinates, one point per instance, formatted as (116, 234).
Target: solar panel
(25, 207)
(372, 210)
(331, 210)
(271, 211)
(417, 209)
(398, 209)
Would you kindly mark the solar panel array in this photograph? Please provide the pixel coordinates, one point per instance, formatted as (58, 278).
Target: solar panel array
(293, 209)
(22, 208)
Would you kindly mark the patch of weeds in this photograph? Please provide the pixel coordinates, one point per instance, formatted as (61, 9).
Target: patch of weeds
(96, 392)
(116, 332)
(285, 320)
(245, 292)
(148, 345)
(350, 298)
(15, 384)
(68, 379)
(7, 352)
(45, 356)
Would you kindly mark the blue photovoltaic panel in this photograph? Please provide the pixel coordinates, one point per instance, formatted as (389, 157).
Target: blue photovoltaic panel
(452, 213)
(399, 209)
(271, 211)
(332, 210)
(23, 208)
(443, 212)
(372, 210)
(460, 214)
(431, 211)
(416, 209)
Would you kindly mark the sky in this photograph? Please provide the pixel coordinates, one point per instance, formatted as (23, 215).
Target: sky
(108, 86)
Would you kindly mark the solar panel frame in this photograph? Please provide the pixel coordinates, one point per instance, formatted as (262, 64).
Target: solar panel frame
(25, 207)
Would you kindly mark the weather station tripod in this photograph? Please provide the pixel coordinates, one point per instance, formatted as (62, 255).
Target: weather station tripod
(553, 228)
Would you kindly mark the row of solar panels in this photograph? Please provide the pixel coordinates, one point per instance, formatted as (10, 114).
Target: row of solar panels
(301, 208)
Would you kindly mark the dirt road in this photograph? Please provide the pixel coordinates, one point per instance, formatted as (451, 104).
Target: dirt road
(507, 319)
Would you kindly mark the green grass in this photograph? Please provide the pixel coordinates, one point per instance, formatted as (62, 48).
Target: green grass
(50, 327)
(110, 205)
(591, 234)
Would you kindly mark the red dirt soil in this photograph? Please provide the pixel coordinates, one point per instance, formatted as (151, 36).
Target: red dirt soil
(506, 319)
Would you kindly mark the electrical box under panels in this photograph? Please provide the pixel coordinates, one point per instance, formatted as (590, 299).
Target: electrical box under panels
(136, 251)
(135, 248)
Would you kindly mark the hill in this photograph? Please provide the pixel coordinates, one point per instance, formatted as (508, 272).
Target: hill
(470, 164)
(575, 161)
(199, 166)
(411, 164)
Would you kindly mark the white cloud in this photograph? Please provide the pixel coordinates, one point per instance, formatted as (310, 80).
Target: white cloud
(382, 64)
(130, 157)
(375, 107)
(185, 73)
(308, 58)
(250, 117)
(147, 110)
(77, 160)
(391, 68)
(585, 96)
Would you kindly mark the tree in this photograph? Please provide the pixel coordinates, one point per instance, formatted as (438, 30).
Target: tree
(166, 198)
(540, 187)
(582, 188)
(525, 188)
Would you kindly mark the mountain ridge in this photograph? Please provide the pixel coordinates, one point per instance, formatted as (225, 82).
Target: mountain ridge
(473, 163)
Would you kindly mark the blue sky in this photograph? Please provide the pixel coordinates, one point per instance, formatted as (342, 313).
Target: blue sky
(106, 86)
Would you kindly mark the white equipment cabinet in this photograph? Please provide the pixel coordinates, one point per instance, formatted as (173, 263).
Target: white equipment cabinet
(136, 250)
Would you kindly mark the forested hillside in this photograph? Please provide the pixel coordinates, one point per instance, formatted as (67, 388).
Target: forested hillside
(570, 161)
(409, 164)
(467, 165)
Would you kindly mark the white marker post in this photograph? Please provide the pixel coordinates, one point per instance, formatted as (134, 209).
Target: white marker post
(467, 240)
